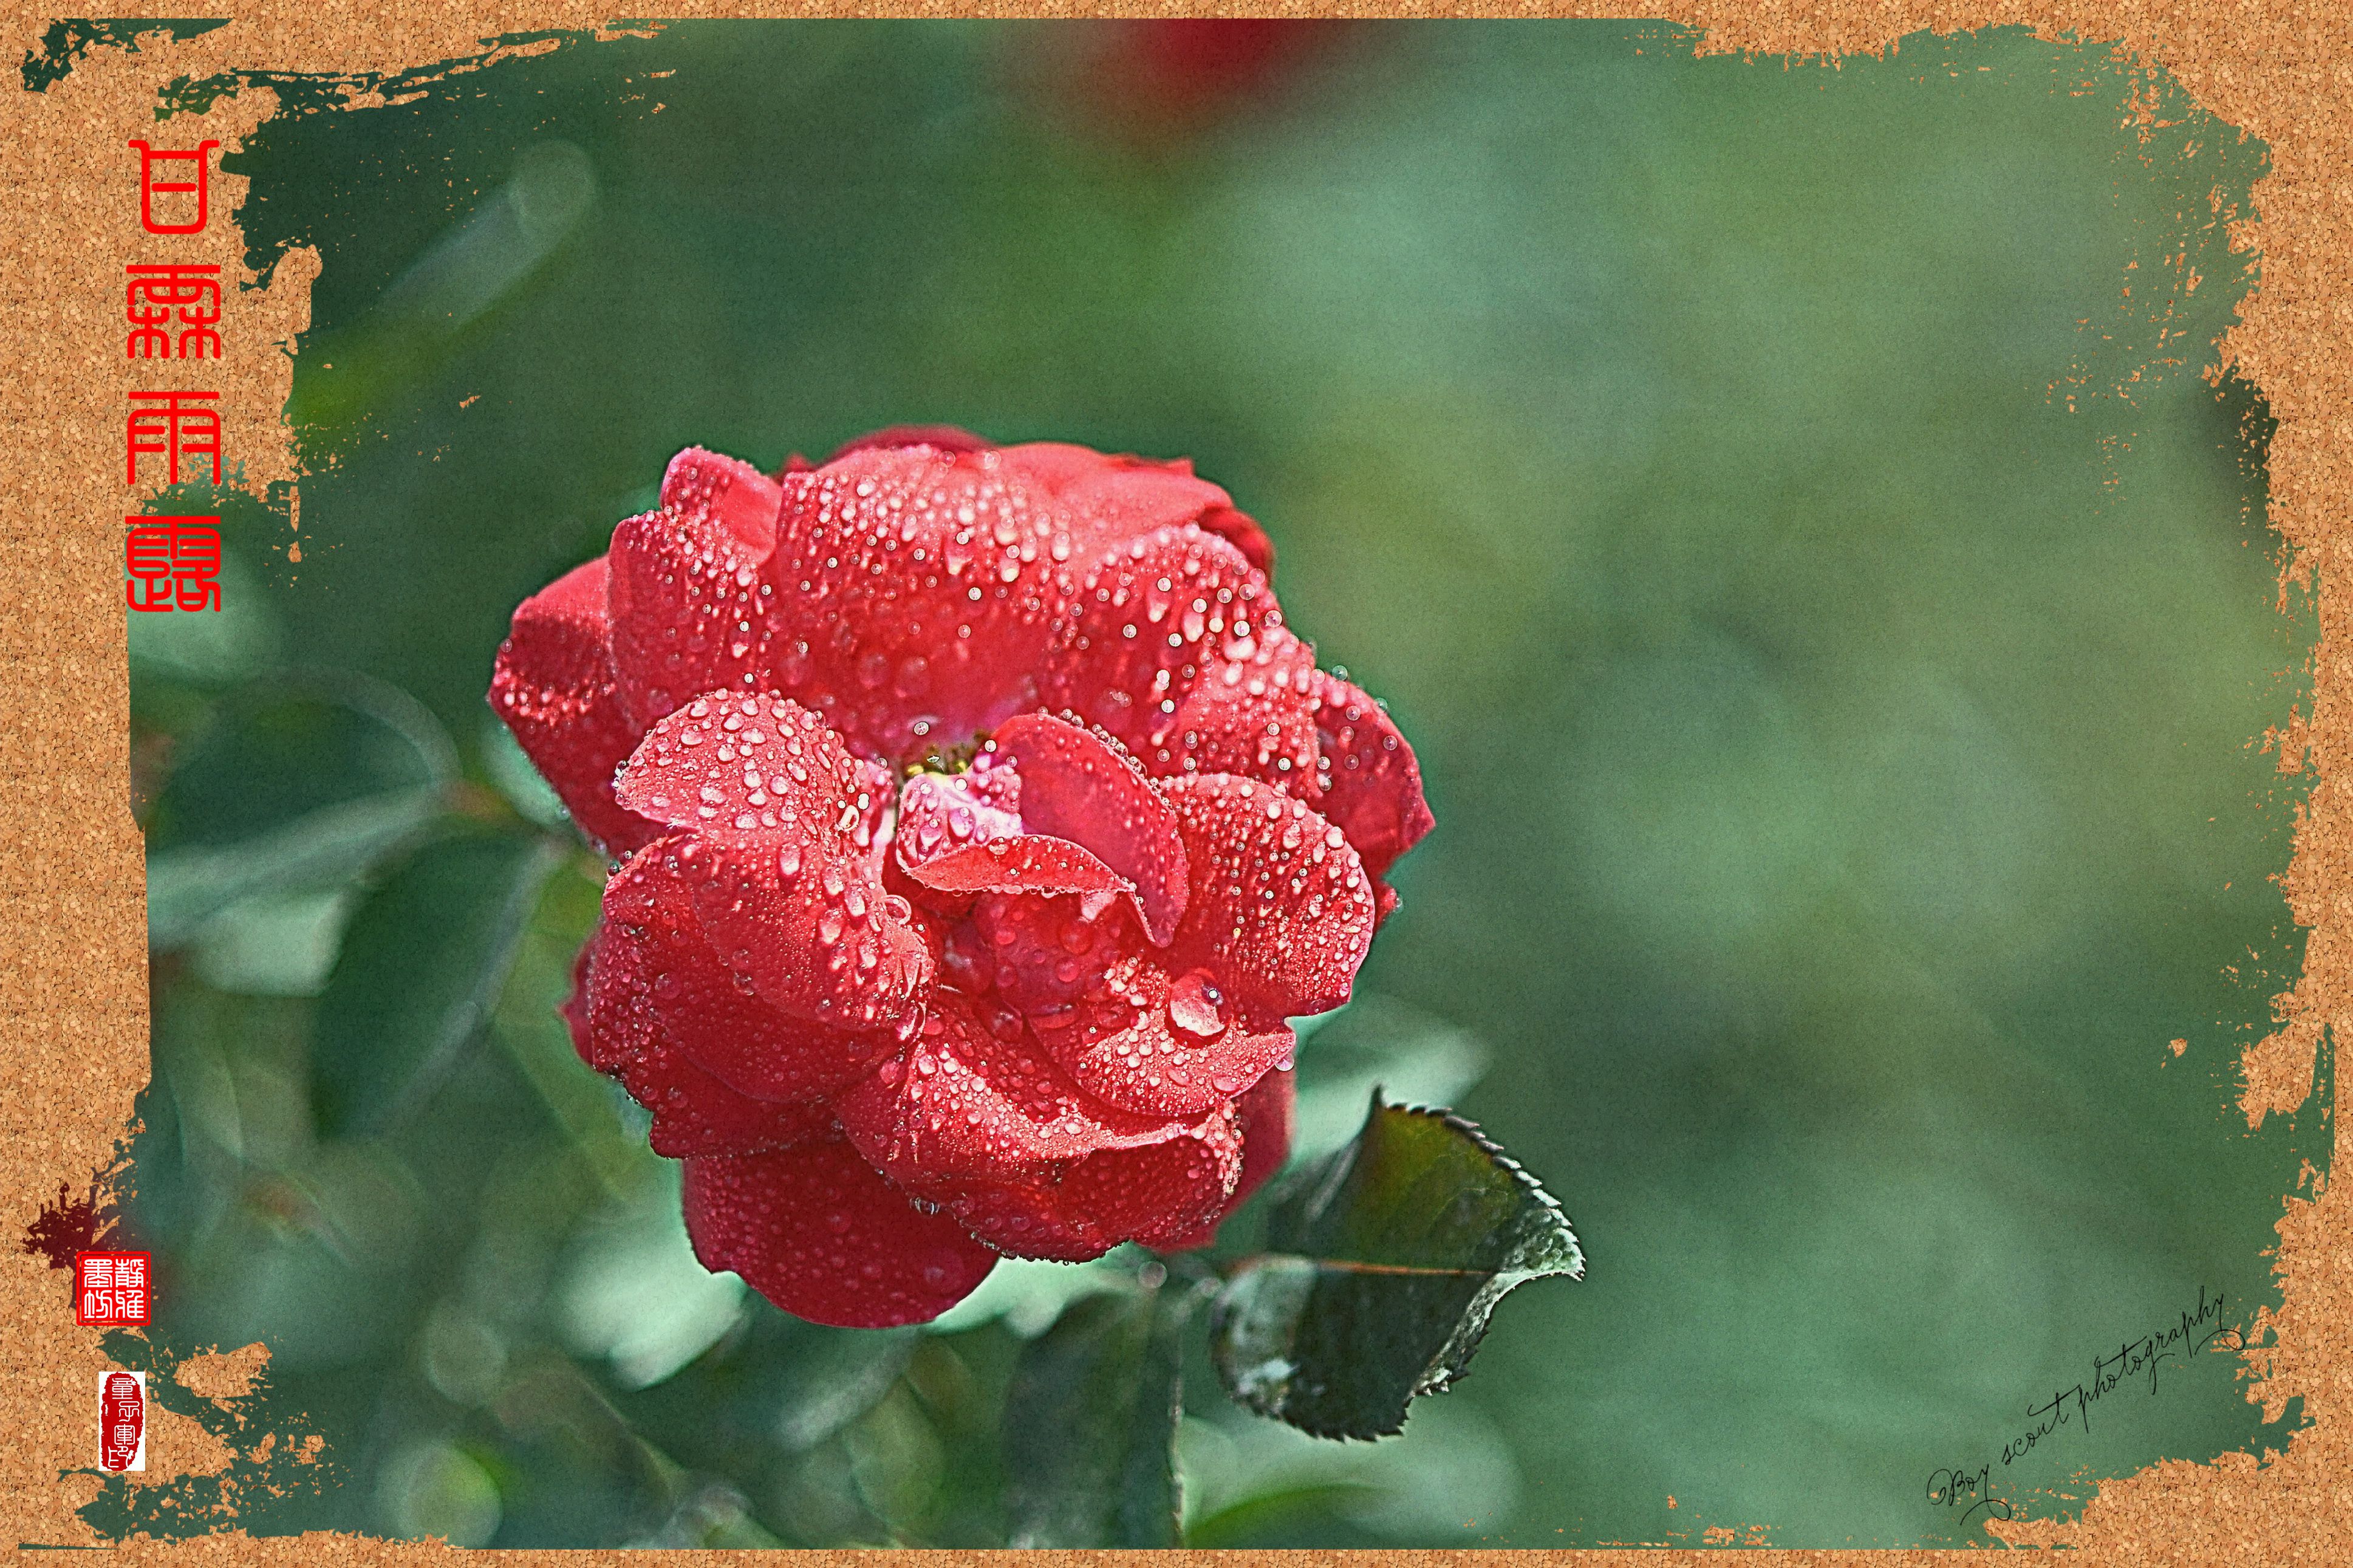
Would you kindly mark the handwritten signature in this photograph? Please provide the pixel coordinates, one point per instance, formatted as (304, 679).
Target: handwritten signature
(1950, 1486)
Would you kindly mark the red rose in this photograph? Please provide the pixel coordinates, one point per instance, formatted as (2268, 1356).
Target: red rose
(981, 826)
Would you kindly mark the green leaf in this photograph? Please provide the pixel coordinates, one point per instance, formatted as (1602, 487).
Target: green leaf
(1234, 1525)
(633, 1295)
(212, 648)
(1421, 1058)
(1090, 1426)
(773, 1387)
(1386, 1260)
(421, 966)
(298, 782)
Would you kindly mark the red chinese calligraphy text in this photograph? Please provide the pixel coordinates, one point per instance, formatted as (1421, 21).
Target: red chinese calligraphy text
(156, 161)
(155, 293)
(176, 428)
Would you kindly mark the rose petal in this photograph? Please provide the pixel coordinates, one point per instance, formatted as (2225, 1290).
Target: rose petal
(734, 491)
(1255, 717)
(1264, 1117)
(1127, 498)
(942, 812)
(694, 1113)
(1047, 953)
(947, 437)
(1157, 1195)
(555, 686)
(1083, 787)
(780, 865)
(1154, 1195)
(728, 766)
(925, 583)
(1054, 465)
(1130, 1052)
(960, 1101)
(573, 1008)
(652, 955)
(1120, 496)
(821, 1234)
(688, 612)
(1176, 647)
(818, 937)
(1280, 912)
(1025, 863)
(1242, 533)
(1372, 789)
(1025, 1219)
(620, 1033)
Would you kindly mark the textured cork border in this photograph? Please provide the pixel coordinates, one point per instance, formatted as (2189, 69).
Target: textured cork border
(73, 1020)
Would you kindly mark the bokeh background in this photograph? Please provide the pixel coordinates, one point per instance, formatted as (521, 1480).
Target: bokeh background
(1780, 502)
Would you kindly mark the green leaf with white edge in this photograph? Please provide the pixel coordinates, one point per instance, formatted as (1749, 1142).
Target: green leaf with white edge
(421, 967)
(298, 783)
(1090, 1427)
(1385, 1262)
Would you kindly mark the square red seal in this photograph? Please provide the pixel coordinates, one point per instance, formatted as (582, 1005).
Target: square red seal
(110, 1288)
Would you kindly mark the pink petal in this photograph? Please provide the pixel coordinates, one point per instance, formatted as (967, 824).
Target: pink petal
(1372, 788)
(819, 1233)
(942, 812)
(555, 686)
(1082, 787)
(1281, 913)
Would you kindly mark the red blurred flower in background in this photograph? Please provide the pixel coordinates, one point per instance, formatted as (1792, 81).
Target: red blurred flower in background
(1147, 80)
(1183, 69)
(980, 826)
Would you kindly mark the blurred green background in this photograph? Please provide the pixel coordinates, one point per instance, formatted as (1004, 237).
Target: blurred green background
(1780, 503)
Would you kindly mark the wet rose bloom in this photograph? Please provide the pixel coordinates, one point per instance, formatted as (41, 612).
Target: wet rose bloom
(978, 824)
